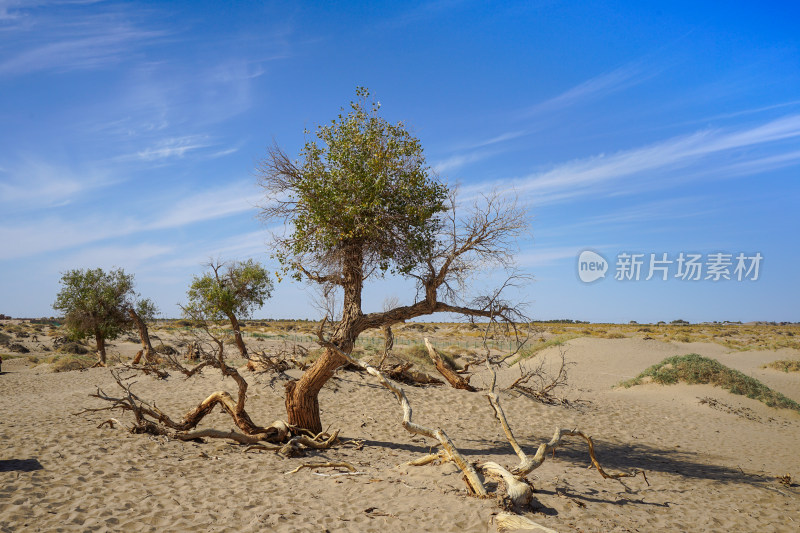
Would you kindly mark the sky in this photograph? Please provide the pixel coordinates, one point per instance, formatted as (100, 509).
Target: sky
(130, 132)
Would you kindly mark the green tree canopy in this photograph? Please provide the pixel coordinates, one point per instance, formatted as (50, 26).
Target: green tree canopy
(95, 303)
(362, 183)
(237, 289)
(229, 291)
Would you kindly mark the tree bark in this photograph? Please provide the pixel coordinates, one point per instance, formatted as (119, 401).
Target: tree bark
(237, 335)
(101, 346)
(302, 404)
(144, 336)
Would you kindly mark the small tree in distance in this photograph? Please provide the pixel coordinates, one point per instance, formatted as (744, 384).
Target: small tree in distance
(230, 291)
(98, 304)
(362, 202)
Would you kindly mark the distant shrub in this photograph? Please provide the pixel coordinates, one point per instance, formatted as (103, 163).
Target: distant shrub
(69, 363)
(696, 369)
(73, 347)
(18, 348)
(165, 349)
(4, 339)
(785, 365)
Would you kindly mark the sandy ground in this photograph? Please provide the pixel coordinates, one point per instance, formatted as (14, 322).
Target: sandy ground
(709, 468)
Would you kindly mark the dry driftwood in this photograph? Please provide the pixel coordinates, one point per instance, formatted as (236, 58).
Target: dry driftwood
(529, 464)
(457, 381)
(514, 522)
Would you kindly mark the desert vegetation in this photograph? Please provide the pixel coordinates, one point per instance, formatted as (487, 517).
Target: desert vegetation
(694, 369)
(360, 204)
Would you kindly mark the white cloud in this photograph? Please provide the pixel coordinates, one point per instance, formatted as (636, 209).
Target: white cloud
(593, 88)
(32, 182)
(651, 163)
(73, 43)
(51, 233)
(173, 147)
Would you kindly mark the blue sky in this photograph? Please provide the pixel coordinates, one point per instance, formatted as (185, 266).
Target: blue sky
(130, 132)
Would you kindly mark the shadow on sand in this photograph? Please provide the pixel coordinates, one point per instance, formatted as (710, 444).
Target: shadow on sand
(20, 465)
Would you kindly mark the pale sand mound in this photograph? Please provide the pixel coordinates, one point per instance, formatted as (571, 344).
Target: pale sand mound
(711, 465)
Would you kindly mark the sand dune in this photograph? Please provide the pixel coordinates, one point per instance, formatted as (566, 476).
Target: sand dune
(712, 465)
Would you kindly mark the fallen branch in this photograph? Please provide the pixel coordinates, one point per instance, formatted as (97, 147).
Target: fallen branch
(472, 480)
(529, 464)
(323, 465)
(457, 381)
(511, 522)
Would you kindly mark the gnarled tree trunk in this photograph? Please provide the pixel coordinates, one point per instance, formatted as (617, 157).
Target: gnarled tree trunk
(144, 336)
(100, 340)
(302, 404)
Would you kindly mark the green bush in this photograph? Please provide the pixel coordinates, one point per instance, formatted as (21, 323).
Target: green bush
(696, 369)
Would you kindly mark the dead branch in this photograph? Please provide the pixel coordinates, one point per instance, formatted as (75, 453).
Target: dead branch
(474, 483)
(262, 362)
(147, 369)
(150, 356)
(529, 464)
(457, 381)
(538, 383)
(323, 465)
(514, 522)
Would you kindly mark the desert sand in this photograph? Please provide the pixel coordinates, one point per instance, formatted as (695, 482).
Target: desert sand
(711, 466)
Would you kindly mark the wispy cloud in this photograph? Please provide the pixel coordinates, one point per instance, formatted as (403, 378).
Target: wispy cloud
(72, 42)
(594, 88)
(50, 233)
(588, 176)
(33, 182)
(173, 147)
(457, 161)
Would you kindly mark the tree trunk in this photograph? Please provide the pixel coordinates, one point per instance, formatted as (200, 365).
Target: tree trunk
(101, 346)
(144, 336)
(302, 405)
(237, 336)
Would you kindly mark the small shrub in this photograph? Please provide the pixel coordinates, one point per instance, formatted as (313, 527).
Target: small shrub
(165, 349)
(73, 348)
(614, 335)
(785, 365)
(71, 362)
(4, 339)
(696, 369)
(18, 348)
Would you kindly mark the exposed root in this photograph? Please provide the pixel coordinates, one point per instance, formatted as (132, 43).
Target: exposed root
(518, 491)
(427, 459)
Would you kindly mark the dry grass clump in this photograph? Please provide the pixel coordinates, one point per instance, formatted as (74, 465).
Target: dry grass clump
(785, 365)
(696, 369)
(533, 349)
(418, 355)
(69, 362)
(73, 348)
